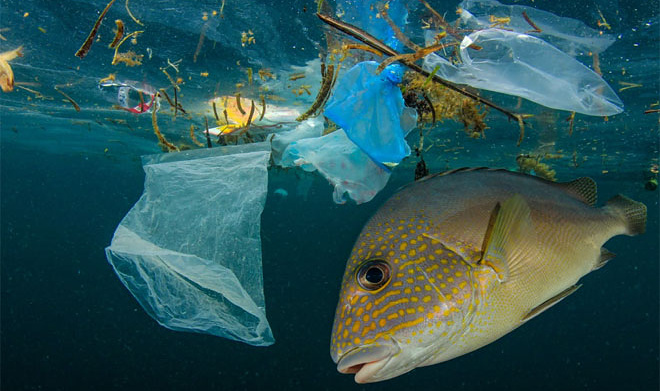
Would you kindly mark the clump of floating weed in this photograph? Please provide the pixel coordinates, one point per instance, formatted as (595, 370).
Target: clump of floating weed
(445, 104)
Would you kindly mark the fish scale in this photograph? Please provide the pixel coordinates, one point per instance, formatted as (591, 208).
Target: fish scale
(455, 261)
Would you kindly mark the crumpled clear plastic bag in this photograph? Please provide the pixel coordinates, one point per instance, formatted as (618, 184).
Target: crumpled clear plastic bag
(570, 35)
(341, 162)
(310, 128)
(522, 65)
(370, 109)
(190, 251)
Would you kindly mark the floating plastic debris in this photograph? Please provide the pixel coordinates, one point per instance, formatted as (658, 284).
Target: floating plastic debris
(341, 162)
(521, 65)
(134, 97)
(570, 35)
(370, 109)
(190, 250)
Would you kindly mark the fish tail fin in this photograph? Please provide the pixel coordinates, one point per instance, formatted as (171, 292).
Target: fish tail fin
(632, 213)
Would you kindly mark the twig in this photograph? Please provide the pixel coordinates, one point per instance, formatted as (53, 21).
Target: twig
(82, 52)
(215, 111)
(208, 138)
(397, 32)
(73, 102)
(529, 21)
(453, 32)
(131, 15)
(118, 35)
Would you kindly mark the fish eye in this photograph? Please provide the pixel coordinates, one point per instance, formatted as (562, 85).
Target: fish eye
(373, 274)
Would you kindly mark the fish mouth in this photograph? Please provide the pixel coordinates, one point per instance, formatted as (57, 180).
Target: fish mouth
(365, 361)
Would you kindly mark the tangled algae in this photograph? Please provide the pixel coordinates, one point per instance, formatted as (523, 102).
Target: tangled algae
(532, 163)
(434, 101)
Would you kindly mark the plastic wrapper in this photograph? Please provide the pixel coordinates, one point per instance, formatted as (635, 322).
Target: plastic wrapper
(570, 35)
(522, 65)
(370, 109)
(132, 96)
(341, 162)
(190, 251)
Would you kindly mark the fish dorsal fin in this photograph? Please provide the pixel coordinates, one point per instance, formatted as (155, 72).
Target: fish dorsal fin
(550, 302)
(455, 170)
(584, 189)
(507, 237)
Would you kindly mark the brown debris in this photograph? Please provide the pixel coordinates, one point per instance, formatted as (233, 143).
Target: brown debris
(82, 52)
(6, 73)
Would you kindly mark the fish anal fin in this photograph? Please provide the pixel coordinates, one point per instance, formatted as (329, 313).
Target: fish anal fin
(507, 237)
(605, 255)
(550, 302)
(584, 189)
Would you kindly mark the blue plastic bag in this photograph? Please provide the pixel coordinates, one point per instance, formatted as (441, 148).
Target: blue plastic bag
(370, 109)
(363, 14)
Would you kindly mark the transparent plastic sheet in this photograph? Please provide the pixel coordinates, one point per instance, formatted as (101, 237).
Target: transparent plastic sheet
(341, 162)
(370, 109)
(190, 251)
(570, 35)
(525, 66)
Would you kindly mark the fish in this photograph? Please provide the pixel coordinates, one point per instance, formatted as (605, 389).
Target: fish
(456, 260)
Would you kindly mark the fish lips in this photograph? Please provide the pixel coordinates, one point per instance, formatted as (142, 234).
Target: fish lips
(366, 361)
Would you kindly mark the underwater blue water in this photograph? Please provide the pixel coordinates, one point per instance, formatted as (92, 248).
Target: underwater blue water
(68, 178)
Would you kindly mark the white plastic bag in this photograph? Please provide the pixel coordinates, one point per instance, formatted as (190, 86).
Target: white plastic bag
(190, 248)
(522, 65)
(570, 35)
(310, 128)
(341, 162)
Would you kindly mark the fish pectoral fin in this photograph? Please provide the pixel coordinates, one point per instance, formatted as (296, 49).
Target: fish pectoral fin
(550, 302)
(507, 237)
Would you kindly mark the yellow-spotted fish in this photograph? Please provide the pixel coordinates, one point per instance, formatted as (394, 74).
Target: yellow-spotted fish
(457, 260)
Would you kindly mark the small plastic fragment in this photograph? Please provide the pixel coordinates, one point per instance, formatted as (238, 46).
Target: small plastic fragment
(134, 97)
